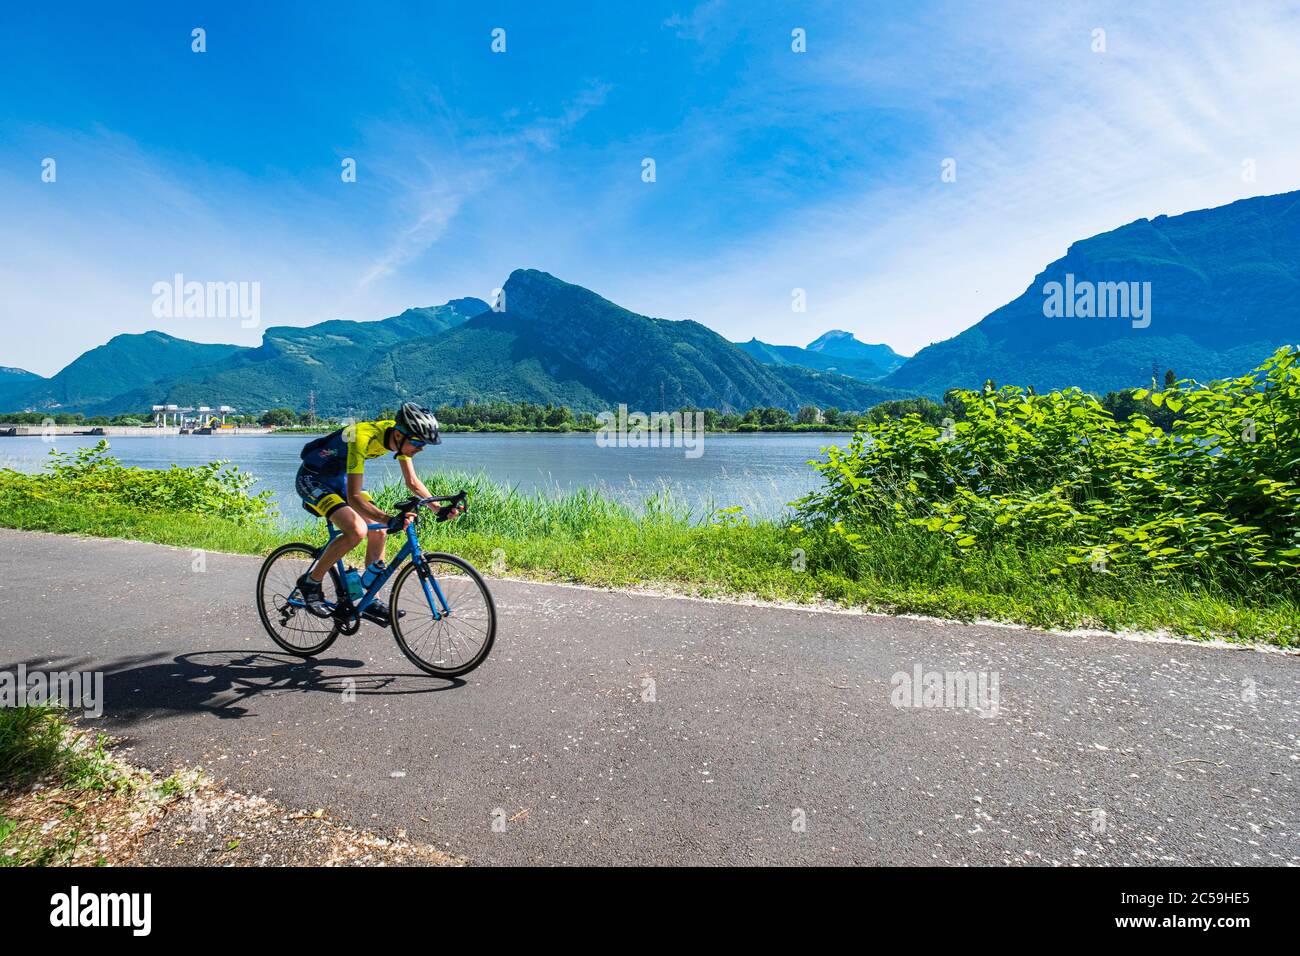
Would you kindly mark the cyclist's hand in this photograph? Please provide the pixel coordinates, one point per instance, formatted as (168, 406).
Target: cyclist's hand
(400, 522)
(450, 512)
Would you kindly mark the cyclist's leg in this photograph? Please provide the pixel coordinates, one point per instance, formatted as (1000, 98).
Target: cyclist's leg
(352, 528)
(376, 537)
(326, 495)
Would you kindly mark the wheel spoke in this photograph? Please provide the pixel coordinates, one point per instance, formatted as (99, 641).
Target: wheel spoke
(454, 642)
(283, 613)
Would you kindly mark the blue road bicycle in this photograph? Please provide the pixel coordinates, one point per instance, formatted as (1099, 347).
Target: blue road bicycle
(441, 611)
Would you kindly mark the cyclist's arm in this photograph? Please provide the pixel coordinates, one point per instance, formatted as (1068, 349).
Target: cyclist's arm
(417, 486)
(360, 503)
(356, 437)
(412, 481)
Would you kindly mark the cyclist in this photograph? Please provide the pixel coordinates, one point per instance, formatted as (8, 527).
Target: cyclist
(331, 483)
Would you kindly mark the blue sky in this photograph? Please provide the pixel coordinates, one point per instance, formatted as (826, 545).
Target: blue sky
(776, 170)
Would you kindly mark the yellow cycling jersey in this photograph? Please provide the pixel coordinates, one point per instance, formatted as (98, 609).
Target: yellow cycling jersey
(348, 449)
(367, 441)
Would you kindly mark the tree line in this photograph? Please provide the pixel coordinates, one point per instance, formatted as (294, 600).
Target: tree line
(530, 416)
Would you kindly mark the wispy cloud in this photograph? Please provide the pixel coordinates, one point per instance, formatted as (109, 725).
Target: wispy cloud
(697, 23)
(430, 193)
(435, 196)
(1053, 143)
(776, 169)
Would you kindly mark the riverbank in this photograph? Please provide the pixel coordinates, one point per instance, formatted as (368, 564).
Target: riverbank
(10, 430)
(586, 538)
(743, 429)
(138, 431)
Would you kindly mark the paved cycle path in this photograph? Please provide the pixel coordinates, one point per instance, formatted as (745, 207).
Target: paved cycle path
(611, 727)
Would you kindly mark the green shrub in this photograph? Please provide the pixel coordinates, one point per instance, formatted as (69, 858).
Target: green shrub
(91, 474)
(1217, 495)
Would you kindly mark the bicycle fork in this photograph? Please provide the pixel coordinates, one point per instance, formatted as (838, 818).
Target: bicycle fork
(427, 580)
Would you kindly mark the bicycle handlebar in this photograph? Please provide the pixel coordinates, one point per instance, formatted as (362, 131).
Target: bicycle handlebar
(443, 513)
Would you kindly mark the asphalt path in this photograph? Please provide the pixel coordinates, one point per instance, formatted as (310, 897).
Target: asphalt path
(623, 728)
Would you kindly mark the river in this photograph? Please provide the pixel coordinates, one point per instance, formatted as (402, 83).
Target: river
(760, 472)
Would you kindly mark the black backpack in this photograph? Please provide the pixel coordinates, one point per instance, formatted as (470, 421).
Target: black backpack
(320, 454)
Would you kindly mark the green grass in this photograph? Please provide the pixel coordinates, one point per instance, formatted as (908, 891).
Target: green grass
(31, 743)
(61, 788)
(39, 744)
(39, 741)
(584, 537)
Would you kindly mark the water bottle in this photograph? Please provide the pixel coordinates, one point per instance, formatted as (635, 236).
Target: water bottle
(355, 590)
(373, 573)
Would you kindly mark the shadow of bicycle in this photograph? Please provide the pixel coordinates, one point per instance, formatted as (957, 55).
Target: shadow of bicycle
(225, 683)
(244, 675)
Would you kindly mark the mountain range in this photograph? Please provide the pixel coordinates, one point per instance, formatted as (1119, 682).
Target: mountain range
(1208, 294)
(98, 376)
(561, 343)
(339, 360)
(15, 383)
(555, 342)
(834, 351)
(1222, 286)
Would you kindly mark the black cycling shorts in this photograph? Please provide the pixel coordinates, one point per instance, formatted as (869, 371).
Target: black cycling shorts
(322, 494)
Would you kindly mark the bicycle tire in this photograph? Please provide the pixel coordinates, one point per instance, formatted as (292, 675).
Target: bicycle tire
(310, 650)
(430, 666)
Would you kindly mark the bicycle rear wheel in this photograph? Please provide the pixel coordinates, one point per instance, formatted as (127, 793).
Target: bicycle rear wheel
(280, 606)
(459, 637)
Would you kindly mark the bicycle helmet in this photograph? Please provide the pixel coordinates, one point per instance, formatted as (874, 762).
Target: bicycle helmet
(418, 422)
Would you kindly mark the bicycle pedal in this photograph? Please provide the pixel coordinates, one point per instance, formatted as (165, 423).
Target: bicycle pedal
(383, 620)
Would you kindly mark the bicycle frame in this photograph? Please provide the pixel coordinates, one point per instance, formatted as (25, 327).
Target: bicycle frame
(411, 549)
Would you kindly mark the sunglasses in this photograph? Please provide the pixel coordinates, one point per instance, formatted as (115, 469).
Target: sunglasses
(415, 442)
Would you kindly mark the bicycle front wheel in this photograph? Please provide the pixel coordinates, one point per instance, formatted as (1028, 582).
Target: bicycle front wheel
(280, 605)
(445, 624)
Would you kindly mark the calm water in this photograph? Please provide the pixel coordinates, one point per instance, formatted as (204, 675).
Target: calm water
(760, 472)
